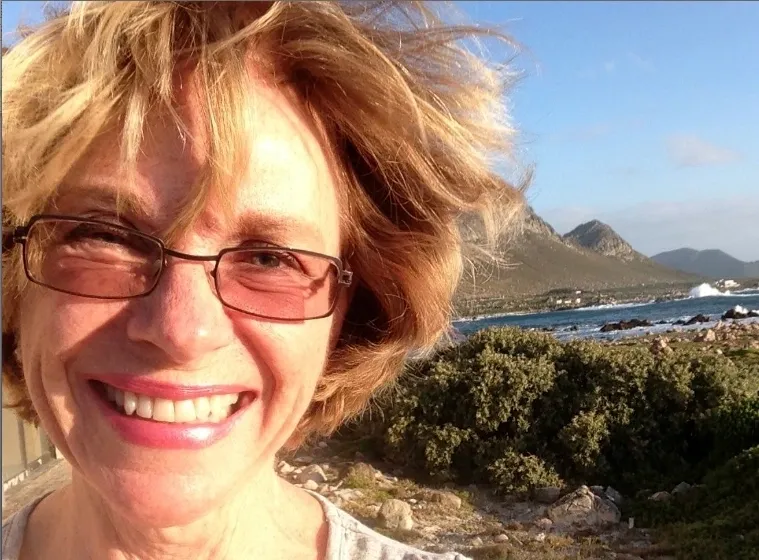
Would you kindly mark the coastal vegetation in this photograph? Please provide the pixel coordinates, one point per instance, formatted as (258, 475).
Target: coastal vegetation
(515, 411)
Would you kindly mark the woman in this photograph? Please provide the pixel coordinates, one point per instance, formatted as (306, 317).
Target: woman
(229, 223)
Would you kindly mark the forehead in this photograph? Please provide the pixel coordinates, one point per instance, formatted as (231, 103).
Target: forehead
(288, 176)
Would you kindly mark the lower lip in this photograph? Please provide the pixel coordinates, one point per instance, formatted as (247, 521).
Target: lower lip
(164, 435)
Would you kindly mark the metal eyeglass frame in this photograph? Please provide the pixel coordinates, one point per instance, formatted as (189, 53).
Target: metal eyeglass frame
(20, 234)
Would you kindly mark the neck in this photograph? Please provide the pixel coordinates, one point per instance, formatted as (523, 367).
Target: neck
(269, 518)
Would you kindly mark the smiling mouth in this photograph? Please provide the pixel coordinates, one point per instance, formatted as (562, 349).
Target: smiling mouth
(200, 410)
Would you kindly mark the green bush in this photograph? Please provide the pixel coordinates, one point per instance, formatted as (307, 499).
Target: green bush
(731, 428)
(717, 521)
(518, 409)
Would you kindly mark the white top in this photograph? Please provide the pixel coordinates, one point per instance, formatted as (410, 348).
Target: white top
(348, 539)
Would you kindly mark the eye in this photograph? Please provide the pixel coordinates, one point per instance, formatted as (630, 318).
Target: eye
(96, 236)
(96, 232)
(267, 260)
(273, 259)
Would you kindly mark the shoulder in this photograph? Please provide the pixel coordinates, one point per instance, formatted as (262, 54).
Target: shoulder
(13, 531)
(349, 539)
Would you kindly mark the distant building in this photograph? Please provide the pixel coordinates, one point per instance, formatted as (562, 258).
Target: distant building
(726, 284)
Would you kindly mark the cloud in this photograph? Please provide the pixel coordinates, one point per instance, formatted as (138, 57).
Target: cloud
(728, 224)
(610, 66)
(640, 63)
(687, 150)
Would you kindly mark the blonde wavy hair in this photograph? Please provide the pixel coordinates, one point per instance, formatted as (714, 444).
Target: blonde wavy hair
(412, 117)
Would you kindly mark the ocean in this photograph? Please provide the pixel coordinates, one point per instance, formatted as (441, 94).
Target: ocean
(586, 322)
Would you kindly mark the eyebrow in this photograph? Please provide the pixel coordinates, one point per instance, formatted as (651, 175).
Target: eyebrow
(101, 196)
(280, 229)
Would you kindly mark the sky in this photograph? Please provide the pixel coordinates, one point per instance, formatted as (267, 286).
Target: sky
(644, 115)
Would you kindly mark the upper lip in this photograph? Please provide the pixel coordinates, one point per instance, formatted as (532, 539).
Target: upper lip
(169, 391)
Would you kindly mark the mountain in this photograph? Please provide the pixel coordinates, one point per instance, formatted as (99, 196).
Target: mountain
(536, 259)
(711, 263)
(599, 237)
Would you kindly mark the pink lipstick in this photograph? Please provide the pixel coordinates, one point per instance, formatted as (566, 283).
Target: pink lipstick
(214, 410)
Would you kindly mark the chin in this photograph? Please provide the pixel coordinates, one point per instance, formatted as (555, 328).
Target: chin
(163, 501)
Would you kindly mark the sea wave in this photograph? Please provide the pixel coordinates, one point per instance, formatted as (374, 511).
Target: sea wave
(614, 306)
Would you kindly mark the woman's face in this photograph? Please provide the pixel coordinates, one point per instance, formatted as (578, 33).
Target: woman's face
(180, 342)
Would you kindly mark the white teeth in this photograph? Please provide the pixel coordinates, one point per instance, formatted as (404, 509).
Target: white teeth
(163, 410)
(130, 401)
(184, 411)
(144, 407)
(202, 409)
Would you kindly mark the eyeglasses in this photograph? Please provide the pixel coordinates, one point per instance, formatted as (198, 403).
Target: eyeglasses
(101, 260)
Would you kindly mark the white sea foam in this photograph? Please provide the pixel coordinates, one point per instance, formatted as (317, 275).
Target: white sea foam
(613, 306)
(706, 290)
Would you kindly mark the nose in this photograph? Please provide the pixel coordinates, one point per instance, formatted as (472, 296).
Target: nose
(182, 317)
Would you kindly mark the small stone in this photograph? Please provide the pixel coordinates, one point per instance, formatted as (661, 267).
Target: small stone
(412, 501)
(305, 459)
(312, 472)
(661, 497)
(311, 485)
(681, 488)
(477, 541)
(323, 445)
(544, 524)
(285, 468)
(395, 514)
(349, 494)
(613, 495)
(708, 336)
(540, 537)
(502, 538)
(446, 498)
(546, 494)
(584, 508)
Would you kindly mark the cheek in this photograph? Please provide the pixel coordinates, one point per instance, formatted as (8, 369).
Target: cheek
(55, 329)
(291, 357)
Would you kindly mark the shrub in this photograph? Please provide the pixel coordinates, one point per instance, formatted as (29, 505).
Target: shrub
(519, 409)
(718, 521)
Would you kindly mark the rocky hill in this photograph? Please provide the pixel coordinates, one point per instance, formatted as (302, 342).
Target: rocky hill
(601, 238)
(711, 263)
(534, 259)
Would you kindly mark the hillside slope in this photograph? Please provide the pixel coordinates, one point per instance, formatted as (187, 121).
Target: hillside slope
(711, 263)
(601, 238)
(539, 260)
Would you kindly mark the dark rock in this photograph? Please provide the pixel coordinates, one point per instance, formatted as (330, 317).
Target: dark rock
(738, 312)
(697, 319)
(626, 325)
(546, 494)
